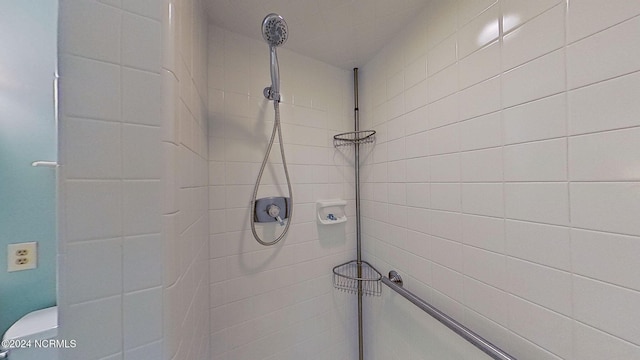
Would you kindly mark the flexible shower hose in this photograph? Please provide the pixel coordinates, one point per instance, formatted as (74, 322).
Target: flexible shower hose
(276, 127)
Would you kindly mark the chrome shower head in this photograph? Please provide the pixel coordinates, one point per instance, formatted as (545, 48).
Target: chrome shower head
(274, 30)
(275, 33)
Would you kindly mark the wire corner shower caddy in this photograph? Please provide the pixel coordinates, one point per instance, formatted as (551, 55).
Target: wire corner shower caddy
(354, 137)
(357, 278)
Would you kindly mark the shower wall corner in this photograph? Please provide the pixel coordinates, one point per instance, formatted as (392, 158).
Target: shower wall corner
(133, 194)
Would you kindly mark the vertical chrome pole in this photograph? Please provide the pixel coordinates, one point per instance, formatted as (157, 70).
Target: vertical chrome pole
(358, 232)
(357, 165)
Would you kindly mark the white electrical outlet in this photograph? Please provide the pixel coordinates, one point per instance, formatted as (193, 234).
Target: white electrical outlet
(23, 256)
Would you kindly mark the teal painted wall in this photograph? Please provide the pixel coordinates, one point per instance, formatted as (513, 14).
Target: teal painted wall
(28, 33)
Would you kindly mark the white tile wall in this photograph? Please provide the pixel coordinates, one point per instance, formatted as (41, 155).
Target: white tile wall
(522, 189)
(100, 221)
(540, 284)
(604, 55)
(481, 165)
(486, 300)
(481, 132)
(590, 343)
(483, 199)
(539, 202)
(586, 17)
(93, 87)
(133, 282)
(539, 243)
(483, 232)
(445, 168)
(93, 20)
(536, 120)
(186, 292)
(93, 142)
(517, 12)
(479, 66)
(535, 38)
(441, 112)
(543, 76)
(544, 328)
(480, 99)
(278, 302)
(88, 271)
(509, 147)
(588, 297)
(442, 55)
(618, 251)
(604, 106)
(481, 30)
(78, 322)
(605, 206)
(536, 161)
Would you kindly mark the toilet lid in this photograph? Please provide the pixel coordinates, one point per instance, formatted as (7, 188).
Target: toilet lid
(37, 325)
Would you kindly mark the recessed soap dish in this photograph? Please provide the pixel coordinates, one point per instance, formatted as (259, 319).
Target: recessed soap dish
(331, 211)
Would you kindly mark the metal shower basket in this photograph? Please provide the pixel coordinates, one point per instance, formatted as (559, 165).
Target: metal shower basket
(354, 137)
(354, 277)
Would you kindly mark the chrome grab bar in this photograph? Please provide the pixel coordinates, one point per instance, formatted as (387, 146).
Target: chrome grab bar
(394, 281)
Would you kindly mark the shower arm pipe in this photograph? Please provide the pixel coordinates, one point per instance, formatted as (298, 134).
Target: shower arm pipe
(394, 282)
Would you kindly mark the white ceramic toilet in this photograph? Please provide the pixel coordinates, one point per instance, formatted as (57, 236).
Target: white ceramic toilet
(31, 330)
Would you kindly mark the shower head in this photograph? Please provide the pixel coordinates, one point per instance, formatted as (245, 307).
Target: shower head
(274, 30)
(275, 33)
